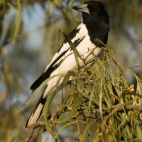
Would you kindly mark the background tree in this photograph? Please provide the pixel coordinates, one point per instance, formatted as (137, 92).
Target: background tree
(29, 36)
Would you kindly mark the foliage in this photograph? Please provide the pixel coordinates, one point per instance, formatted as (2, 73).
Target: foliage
(22, 61)
(99, 104)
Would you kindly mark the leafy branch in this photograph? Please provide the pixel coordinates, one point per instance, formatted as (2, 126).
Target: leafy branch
(98, 96)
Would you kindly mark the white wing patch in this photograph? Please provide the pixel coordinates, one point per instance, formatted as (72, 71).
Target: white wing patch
(85, 48)
(65, 47)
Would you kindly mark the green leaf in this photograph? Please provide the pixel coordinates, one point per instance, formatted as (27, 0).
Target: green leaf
(76, 54)
(139, 132)
(39, 137)
(72, 112)
(18, 20)
(85, 131)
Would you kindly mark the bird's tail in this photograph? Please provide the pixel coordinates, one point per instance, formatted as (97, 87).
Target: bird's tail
(34, 117)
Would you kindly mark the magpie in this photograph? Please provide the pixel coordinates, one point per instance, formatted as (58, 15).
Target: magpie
(95, 25)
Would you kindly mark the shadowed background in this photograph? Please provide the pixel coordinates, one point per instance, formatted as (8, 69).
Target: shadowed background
(29, 37)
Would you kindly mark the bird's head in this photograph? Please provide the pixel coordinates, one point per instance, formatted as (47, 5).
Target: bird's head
(92, 10)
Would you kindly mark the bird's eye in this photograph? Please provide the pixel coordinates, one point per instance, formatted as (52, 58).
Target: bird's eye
(94, 7)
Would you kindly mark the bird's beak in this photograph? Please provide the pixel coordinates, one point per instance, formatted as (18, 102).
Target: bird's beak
(82, 8)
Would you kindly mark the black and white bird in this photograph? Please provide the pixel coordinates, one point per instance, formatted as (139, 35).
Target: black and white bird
(95, 25)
